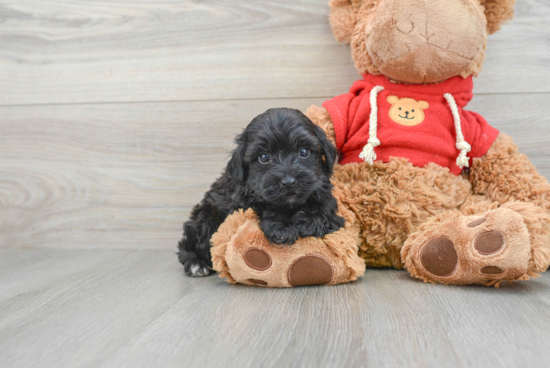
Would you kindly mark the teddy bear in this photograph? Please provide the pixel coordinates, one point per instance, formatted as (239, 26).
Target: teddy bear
(423, 183)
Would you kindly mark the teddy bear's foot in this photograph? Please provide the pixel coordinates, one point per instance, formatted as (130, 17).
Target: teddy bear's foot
(309, 269)
(242, 254)
(481, 249)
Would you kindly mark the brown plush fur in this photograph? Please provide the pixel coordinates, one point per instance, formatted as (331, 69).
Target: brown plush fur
(520, 181)
(397, 208)
(392, 199)
(321, 117)
(505, 175)
(241, 232)
(514, 259)
(497, 12)
(351, 21)
(342, 19)
(397, 203)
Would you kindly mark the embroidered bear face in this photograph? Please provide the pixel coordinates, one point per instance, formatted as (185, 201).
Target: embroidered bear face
(407, 111)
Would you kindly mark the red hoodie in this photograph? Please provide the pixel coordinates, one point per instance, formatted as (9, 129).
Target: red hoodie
(414, 122)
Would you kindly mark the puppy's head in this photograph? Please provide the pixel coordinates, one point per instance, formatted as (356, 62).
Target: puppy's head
(282, 158)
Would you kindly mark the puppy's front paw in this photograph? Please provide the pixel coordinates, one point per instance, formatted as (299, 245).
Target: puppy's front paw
(279, 235)
(334, 223)
(316, 226)
(196, 268)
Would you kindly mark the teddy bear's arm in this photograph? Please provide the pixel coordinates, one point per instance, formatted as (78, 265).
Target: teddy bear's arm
(320, 116)
(504, 174)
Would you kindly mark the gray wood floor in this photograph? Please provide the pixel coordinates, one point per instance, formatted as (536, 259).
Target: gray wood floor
(134, 308)
(115, 116)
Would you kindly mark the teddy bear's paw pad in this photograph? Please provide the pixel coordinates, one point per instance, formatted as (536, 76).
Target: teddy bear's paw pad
(477, 222)
(492, 270)
(439, 257)
(257, 259)
(483, 249)
(489, 242)
(311, 269)
(257, 282)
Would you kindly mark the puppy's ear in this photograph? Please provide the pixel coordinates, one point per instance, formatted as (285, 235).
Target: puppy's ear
(327, 148)
(237, 168)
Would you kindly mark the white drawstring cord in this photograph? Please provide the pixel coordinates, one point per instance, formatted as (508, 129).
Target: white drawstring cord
(368, 153)
(462, 160)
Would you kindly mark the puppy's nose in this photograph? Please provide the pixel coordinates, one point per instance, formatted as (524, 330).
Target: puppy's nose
(288, 181)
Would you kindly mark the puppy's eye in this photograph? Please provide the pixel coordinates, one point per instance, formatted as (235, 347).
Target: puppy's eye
(263, 158)
(304, 153)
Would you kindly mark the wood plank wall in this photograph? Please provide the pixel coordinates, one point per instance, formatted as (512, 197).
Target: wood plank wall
(115, 116)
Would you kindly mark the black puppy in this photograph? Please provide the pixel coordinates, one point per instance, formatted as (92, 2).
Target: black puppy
(281, 169)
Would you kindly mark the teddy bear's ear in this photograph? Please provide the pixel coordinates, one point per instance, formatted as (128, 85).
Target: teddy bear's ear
(497, 13)
(343, 16)
(393, 99)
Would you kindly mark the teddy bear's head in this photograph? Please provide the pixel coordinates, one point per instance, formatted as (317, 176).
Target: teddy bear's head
(418, 41)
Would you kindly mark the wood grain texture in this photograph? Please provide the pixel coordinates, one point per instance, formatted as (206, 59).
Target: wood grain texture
(136, 309)
(76, 51)
(127, 175)
(115, 117)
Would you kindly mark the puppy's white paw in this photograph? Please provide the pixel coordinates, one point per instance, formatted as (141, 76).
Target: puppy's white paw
(196, 268)
(198, 271)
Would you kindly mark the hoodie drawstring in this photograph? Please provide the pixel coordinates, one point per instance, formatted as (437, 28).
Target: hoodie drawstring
(368, 153)
(462, 160)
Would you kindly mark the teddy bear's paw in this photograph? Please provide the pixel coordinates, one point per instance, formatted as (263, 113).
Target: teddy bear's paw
(481, 249)
(250, 259)
(309, 269)
(242, 254)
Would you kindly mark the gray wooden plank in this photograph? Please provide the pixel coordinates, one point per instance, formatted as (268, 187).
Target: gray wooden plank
(384, 320)
(72, 321)
(68, 51)
(127, 175)
(140, 311)
(47, 267)
(112, 175)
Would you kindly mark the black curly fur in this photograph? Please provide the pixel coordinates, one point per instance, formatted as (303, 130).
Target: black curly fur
(305, 207)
